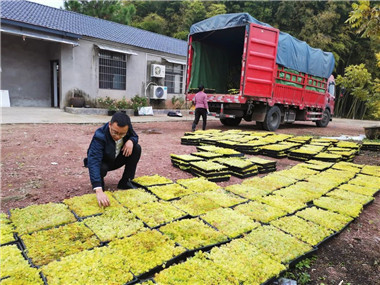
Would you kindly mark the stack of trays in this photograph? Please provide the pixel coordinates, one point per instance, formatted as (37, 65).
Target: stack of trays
(373, 146)
(306, 152)
(239, 167)
(227, 144)
(347, 154)
(278, 150)
(191, 139)
(324, 142)
(207, 154)
(220, 150)
(329, 157)
(210, 170)
(209, 141)
(251, 147)
(318, 165)
(351, 145)
(300, 139)
(263, 165)
(182, 160)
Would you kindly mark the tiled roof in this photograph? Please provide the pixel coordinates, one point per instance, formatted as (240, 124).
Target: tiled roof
(70, 22)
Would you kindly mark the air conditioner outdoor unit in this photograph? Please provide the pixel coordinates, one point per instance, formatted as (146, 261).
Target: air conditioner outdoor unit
(158, 70)
(159, 92)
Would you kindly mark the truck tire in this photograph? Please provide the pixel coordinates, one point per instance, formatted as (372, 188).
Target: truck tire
(272, 119)
(231, 122)
(325, 119)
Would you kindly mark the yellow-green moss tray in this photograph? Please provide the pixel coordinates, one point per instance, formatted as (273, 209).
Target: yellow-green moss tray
(170, 191)
(149, 180)
(372, 170)
(133, 197)
(278, 245)
(260, 212)
(115, 223)
(157, 213)
(283, 203)
(13, 264)
(368, 191)
(45, 246)
(196, 270)
(102, 265)
(330, 220)
(345, 207)
(6, 229)
(38, 217)
(364, 180)
(294, 193)
(87, 205)
(195, 204)
(247, 191)
(223, 198)
(198, 184)
(229, 222)
(145, 250)
(351, 196)
(192, 233)
(247, 264)
(306, 231)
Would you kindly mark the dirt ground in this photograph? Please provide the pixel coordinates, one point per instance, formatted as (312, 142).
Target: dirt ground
(43, 163)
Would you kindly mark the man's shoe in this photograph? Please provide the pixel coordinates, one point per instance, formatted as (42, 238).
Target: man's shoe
(126, 185)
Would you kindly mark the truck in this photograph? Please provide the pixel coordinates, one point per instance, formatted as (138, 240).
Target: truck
(254, 72)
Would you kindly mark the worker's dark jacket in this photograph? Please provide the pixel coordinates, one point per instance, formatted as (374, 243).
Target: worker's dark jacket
(102, 150)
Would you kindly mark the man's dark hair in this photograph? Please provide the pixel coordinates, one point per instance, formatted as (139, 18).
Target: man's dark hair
(121, 119)
(201, 87)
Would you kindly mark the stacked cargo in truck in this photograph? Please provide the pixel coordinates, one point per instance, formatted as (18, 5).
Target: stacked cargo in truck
(257, 73)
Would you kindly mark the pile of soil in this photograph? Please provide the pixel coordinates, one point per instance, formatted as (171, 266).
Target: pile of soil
(44, 163)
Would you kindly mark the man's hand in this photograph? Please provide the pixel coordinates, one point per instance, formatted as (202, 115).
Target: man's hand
(128, 148)
(103, 200)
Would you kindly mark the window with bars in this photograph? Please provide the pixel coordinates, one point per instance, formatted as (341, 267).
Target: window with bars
(112, 70)
(174, 78)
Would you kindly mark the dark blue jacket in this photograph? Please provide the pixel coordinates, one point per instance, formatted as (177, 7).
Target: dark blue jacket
(102, 150)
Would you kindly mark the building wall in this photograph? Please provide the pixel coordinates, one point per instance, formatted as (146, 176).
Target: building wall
(25, 70)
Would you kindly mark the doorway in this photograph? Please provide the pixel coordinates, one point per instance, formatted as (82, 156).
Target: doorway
(55, 96)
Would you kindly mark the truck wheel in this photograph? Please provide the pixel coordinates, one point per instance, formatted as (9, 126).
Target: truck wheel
(231, 122)
(325, 119)
(272, 119)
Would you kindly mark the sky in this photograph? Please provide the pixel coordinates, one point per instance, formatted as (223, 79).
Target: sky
(51, 3)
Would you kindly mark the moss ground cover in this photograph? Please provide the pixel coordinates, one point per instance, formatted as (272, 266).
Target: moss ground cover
(247, 264)
(38, 217)
(223, 198)
(115, 223)
(330, 220)
(259, 211)
(247, 191)
(306, 231)
(170, 191)
(364, 190)
(133, 197)
(150, 180)
(345, 207)
(351, 196)
(146, 250)
(195, 204)
(6, 229)
(13, 264)
(198, 185)
(48, 245)
(192, 233)
(278, 245)
(196, 270)
(87, 205)
(283, 203)
(157, 213)
(229, 222)
(102, 265)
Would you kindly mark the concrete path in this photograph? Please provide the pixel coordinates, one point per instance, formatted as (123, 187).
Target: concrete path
(33, 115)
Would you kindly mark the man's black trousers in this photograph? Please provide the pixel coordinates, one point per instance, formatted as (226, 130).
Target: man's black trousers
(130, 163)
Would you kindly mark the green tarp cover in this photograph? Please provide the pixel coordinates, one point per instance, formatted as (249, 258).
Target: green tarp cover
(209, 67)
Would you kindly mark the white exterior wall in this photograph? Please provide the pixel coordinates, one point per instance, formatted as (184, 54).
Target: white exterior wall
(26, 71)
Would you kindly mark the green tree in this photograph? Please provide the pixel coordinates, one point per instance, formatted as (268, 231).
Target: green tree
(112, 10)
(153, 23)
(357, 82)
(365, 19)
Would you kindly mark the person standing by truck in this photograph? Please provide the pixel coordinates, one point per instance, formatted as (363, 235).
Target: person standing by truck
(201, 108)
